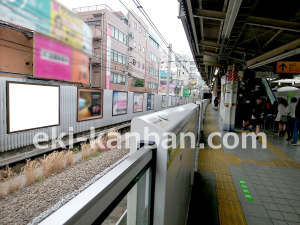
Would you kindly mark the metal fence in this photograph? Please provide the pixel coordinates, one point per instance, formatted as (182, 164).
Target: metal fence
(68, 115)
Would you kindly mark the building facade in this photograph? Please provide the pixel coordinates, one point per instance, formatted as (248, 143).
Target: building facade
(122, 46)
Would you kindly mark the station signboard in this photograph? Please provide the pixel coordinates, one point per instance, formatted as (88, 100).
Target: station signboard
(288, 67)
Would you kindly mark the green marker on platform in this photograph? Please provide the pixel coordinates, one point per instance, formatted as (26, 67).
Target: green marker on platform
(246, 191)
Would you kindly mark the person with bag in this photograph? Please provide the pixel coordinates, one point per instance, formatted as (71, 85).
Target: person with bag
(216, 103)
(256, 116)
(297, 124)
(290, 111)
(281, 116)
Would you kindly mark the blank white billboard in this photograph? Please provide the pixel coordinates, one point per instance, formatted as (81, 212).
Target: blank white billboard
(31, 106)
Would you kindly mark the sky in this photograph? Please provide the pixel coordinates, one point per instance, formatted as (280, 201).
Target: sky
(163, 13)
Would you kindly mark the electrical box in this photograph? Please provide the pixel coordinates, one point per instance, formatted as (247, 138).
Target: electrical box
(175, 165)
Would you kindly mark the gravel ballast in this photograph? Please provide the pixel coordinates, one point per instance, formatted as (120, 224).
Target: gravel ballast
(32, 203)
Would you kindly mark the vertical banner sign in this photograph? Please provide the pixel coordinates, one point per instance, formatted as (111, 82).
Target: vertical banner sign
(150, 102)
(138, 102)
(246, 191)
(108, 52)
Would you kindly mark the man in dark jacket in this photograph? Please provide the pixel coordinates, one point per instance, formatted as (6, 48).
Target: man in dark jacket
(297, 124)
(257, 116)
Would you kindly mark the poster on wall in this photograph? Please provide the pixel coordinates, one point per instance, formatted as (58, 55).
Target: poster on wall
(150, 102)
(163, 101)
(180, 100)
(31, 106)
(90, 104)
(119, 103)
(138, 102)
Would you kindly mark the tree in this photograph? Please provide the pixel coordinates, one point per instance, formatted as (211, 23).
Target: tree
(139, 83)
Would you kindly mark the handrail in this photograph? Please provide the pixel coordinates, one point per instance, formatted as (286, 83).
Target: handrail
(96, 202)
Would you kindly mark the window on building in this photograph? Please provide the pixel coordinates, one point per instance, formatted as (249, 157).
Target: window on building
(144, 33)
(153, 57)
(134, 44)
(139, 47)
(118, 57)
(152, 85)
(117, 78)
(143, 49)
(118, 35)
(140, 30)
(143, 66)
(138, 64)
(153, 42)
(135, 25)
(152, 71)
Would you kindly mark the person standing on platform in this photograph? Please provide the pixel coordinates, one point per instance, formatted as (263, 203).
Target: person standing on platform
(216, 103)
(256, 116)
(246, 113)
(291, 109)
(297, 124)
(281, 116)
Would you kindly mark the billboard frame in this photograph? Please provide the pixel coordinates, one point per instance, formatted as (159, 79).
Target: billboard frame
(99, 90)
(8, 111)
(112, 105)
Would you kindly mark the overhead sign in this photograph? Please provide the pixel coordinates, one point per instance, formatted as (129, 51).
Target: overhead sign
(287, 67)
(266, 74)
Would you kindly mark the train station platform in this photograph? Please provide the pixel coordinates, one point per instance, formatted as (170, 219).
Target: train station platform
(245, 186)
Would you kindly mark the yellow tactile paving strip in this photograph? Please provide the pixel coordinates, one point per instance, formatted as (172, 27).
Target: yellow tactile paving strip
(216, 161)
(283, 161)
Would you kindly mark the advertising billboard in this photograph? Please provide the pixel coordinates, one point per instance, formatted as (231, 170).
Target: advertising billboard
(55, 60)
(65, 26)
(50, 18)
(89, 104)
(163, 101)
(120, 100)
(81, 73)
(138, 102)
(52, 59)
(150, 101)
(31, 106)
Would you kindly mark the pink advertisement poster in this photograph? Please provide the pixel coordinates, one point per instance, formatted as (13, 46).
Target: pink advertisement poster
(52, 59)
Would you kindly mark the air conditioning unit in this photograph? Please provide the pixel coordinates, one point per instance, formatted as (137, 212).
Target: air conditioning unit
(131, 35)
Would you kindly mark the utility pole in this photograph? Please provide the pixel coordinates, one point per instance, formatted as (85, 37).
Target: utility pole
(168, 75)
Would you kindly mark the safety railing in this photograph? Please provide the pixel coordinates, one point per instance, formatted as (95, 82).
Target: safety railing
(95, 204)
